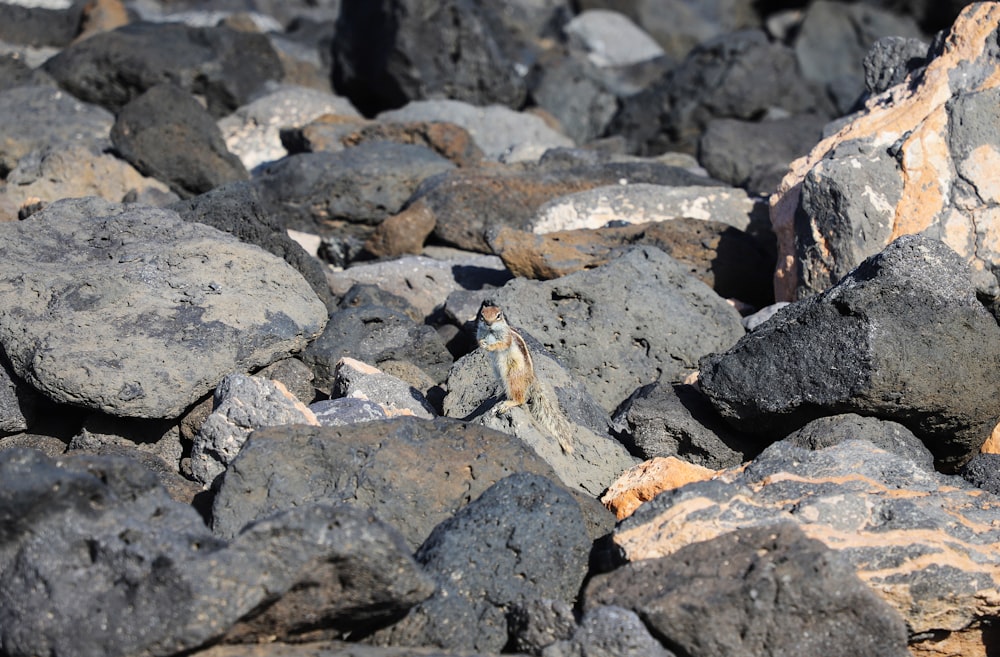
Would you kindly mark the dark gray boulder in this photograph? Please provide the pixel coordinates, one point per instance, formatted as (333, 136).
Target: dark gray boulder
(225, 66)
(571, 88)
(96, 559)
(902, 337)
(637, 319)
(165, 133)
(132, 311)
(764, 590)
(609, 631)
(661, 419)
(364, 184)
(524, 538)
(391, 51)
(891, 59)
(885, 434)
(41, 24)
(374, 335)
(983, 470)
(412, 473)
(33, 117)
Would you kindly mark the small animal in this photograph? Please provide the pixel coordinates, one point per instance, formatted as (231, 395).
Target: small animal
(513, 366)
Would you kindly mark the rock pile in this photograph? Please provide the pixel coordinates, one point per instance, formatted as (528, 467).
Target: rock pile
(242, 411)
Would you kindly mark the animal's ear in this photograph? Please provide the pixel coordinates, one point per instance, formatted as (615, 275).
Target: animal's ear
(485, 303)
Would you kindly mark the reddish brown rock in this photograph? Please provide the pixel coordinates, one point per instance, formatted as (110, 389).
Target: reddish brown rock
(921, 157)
(402, 233)
(647, 480)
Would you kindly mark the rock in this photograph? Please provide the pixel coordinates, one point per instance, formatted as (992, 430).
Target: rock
(752, 322)
(370, 294)
(324, 649)
(647, 480)
(890, 60)
(914, 160)
(364, 184)
(16, 401)
(730, 261)
(402, 50)
(572, 89)
(834, 38)
(16, 72)
(179, 488)
(660, 420)
(468, 204)
(175, 299)
(355, 379)
(597, 457)
(241, 405)
(252, 132)
(237, 209)
(294, 375)
(925, 542)
(295, 465)
(901, 338)
(756, 154)
(610, 38)
(740, 75)
(884, 434)
(401, 234)
(425, 281)
(106, 435)
(346, 410)
(102, 16)
(478, 559)
(166, 134)
(138, 574)
(653, 321)
(609, 630)
(111, 68)
(376, 334)
(40, 23)
(496, 129)
(34, 117)
(73, 170)
(983, 471)
(766, 589)
(537, 623)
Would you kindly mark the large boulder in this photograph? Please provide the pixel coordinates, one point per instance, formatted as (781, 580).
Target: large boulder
(903, 337)
(918, 158)
(132, 311)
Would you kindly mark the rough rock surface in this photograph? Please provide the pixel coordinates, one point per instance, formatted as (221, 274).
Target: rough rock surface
(385, 466)
(144, 576)
(884, 434)
(133, 311)
(909, 533)
(917, 159)
(241, 404)
(647, 480)
(983, 471)
(480, 559)
(638, 319)
(597, 457)
(902, 337)
(355, 379)
(767, 589)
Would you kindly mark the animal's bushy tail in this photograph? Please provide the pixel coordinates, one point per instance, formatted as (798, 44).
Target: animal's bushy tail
(543, 406)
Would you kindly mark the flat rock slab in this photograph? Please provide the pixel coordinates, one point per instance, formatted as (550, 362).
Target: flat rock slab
(926, 542)
(135, 312)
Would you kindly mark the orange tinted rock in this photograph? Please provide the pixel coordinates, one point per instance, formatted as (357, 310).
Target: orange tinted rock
(647, 480)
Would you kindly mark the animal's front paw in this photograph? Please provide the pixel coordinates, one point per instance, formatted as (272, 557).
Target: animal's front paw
(504, 407)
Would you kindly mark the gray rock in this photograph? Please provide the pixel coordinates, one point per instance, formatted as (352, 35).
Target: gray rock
(294, 375)
(597, 458)
(892, 437)
(36, 23)
(374, 335)
(901, 338)
(497, 130)
(610, 38)
(638, 319)
(412, 473)
(241, 405)
(111, 68)
(347, 410)
(236, 208)
(16, 71)
(364, 184)
(764, 590)
(88, 444)
(479, 559)
(752, 322)
(983, 470)
(402, 50)
(35, 116)
(572, 89)
(891, 59)
(679, 25)
(165, 133)
(537, 623)
(139, 574)
(609, 631)
(353, 378)
(100, 432)
(661, 420)
(252, 132)
(139, 313)
(15, 401)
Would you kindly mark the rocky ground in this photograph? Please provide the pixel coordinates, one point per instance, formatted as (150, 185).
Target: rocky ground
(752, 246)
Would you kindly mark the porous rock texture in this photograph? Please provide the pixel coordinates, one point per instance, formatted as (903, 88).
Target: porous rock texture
(902, 337)
(908, 533)
(135, 312)
(918, 159)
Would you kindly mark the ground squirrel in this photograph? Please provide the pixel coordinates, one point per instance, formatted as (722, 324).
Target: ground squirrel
(512, 364)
